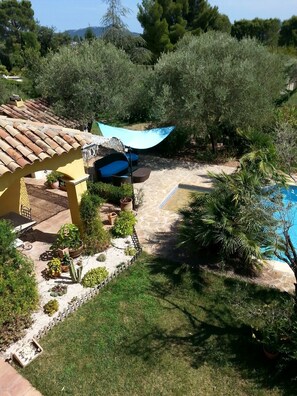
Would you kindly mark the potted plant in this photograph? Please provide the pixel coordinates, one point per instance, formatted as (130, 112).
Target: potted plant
(54, 267)
(111, 217)
(69, 237)
(52, 179)
(65, 262)
(126, 204)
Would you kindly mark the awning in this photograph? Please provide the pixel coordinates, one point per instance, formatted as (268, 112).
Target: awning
(136, 139)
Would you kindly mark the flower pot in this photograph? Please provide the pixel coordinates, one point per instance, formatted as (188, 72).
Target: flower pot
(54, 185)
(111, 217)
(126, 204)
(55, 274)
(76, 252)
(65, 268)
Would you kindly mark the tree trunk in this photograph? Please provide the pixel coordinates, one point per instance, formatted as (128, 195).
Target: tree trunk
(213, 142)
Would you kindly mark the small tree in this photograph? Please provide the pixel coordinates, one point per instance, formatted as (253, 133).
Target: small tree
(213, 81)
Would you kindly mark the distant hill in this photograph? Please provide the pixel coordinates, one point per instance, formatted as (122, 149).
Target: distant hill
(97, 30)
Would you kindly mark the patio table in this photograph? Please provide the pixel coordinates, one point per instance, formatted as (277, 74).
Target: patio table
(19, 222)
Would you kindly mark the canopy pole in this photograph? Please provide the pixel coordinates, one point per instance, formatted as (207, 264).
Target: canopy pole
(130, 174)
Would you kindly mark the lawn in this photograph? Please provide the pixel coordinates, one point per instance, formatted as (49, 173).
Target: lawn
(157, 330)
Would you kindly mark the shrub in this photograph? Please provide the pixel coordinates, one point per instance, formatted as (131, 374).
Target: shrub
(95, 238)
(54, 267)
(130, 251)
(18, 288)
(68, 237)
(124, 224)
(101, 257)
(58, 290)
(94, 277)
(51, 307)
(112, 194)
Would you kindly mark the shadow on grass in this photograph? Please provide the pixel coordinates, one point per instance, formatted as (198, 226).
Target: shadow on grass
(198, 325)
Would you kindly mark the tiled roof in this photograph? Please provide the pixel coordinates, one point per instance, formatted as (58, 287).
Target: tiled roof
(36, 110)
(24, 142)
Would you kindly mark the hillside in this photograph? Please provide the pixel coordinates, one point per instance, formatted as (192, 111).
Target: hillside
(97, 30)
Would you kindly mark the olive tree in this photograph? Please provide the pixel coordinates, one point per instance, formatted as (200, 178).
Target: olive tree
(91, 79)
(213, 81)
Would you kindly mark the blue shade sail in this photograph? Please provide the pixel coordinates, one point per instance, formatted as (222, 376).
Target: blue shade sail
(136, 139)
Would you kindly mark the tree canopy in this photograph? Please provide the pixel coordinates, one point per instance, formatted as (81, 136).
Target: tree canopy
(166, 21)
(264, 30)
(214, 81)
(288, 32)
(17, 32)
(90, 79)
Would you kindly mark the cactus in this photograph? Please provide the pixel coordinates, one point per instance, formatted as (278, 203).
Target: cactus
(75, 273)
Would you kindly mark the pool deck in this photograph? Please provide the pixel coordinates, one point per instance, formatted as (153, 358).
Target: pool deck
(156, 227)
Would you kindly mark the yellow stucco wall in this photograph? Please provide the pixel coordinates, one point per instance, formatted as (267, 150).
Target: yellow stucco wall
(71, 164)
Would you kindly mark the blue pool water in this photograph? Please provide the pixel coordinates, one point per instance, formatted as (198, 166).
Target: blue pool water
(290, 202)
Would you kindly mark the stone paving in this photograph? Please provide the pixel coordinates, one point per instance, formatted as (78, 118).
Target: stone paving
(13, 384)
(156, 227)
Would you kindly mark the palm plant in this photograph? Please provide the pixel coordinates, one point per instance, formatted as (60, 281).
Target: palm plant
(232, 220)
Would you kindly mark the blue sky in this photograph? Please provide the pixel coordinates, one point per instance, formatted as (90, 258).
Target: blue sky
(75, 14)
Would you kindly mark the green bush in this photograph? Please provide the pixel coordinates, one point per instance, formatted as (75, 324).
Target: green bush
(124, 224)
(18, 288)
(130, 251)
(94, 277)
(112, 194)
(68, 237)
(51, 307)
(58, 290)
(95, 238)
(101, 257)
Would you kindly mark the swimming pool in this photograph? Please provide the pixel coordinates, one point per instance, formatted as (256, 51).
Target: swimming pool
(289, 198)
(180, 197)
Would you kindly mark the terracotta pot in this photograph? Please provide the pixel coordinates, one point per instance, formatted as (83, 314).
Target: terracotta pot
(126, 204)
(55, 274)
(111, 217)
(54, 184)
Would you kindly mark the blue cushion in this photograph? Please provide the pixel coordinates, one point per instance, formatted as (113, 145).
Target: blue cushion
(133, 156)
(113, 168)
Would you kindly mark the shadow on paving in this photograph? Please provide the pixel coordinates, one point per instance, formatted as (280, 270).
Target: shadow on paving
(205, 330)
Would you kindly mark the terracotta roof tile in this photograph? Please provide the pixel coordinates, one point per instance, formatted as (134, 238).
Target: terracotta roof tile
(13, 132)
(11, 141)
(32, 157)
(24, 150)
(5, 159)
(22, 162)
(14, 166)
(59, 150)
(3, 169)
(3, 134)
(3, 145)
(13, 154)
(43, 156)
(37, 110)
(24, 142)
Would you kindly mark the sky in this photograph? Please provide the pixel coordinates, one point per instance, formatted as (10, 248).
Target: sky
(74, 14)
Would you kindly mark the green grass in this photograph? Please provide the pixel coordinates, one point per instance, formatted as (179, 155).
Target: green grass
(158, 331)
